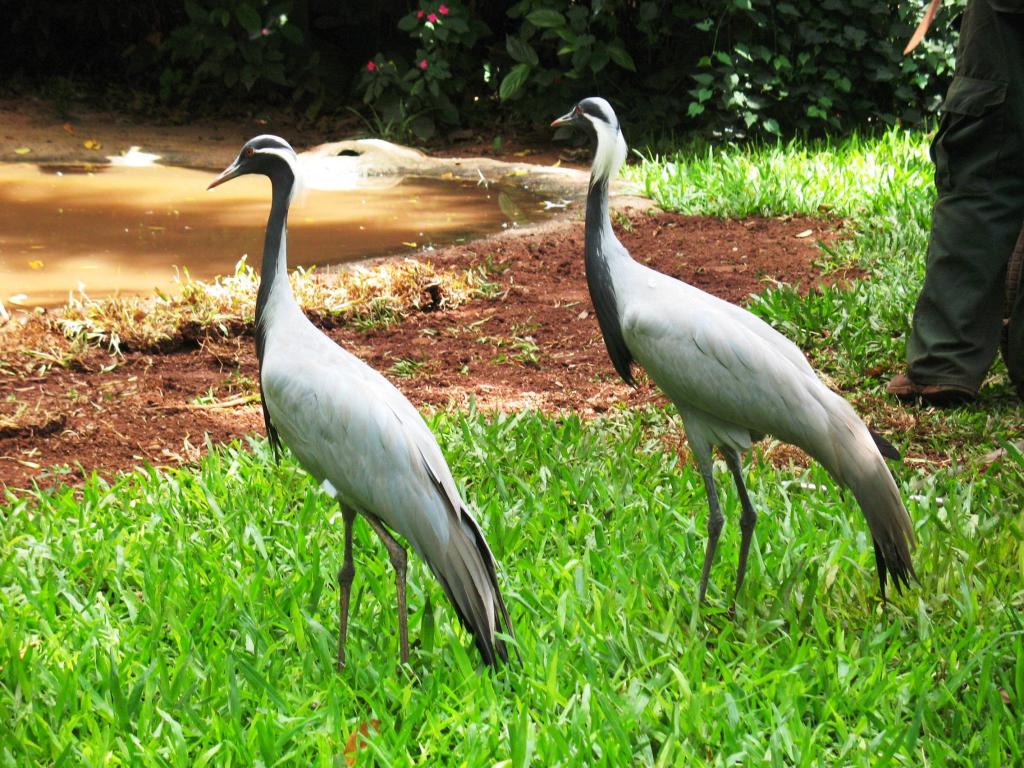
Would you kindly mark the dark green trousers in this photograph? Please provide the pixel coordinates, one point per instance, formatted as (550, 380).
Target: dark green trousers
(979, 175)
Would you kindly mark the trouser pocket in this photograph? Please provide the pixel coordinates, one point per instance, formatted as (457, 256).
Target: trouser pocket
(969, 146)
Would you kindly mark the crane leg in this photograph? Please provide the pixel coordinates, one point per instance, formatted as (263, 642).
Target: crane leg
(748, 519)
(715, 520)
(345, 576)
(398, 561)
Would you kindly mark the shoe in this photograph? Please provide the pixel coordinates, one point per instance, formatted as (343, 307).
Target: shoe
(940, 395)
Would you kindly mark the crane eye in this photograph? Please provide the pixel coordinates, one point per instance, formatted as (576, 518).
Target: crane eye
(249, 152)
(578, 111)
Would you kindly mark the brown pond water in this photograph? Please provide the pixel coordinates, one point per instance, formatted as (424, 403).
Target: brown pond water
(113, 230)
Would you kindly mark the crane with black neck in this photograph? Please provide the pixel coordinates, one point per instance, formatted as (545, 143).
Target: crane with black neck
(733, 378)
(361, 438)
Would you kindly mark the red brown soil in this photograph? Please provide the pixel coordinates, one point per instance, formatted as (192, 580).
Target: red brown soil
(537, 345)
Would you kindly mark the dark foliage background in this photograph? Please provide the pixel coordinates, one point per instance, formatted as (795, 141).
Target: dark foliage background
(728, 68)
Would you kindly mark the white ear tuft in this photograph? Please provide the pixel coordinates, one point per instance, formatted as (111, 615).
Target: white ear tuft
(610, 153)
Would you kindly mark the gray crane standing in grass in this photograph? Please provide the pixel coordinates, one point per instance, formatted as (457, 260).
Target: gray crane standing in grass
(361, 438)
(733, 377)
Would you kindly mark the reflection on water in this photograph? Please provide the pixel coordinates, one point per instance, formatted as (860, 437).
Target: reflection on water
(125, 230)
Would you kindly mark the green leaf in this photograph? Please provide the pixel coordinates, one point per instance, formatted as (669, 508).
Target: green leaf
(513, 81)
(519, 738)
(781, 62)
(248, 18)
(621, 57)
(521, 51)
(408, 23)
(546, 18)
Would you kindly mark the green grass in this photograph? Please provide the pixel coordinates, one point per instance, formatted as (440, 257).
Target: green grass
(854, 334)
(172, 619)
(857, 176)
(189, 617)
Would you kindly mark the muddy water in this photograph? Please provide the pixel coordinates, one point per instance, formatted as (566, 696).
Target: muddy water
(111, 230)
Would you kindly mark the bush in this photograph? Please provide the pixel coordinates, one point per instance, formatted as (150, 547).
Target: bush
(558, 45)
(811, 65)
(228, 47)
(727, 68)
(440, 82)
(65, 37)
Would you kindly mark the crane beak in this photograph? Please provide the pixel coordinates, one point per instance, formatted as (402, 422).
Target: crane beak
(229, 173)
(567, 119)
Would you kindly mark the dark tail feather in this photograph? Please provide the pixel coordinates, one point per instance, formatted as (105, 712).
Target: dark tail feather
(897, 576)
(891, 528)
(887, 449)
(880, 565)
(861, 467)
(505, 625)
(469, 577)
(900, 569)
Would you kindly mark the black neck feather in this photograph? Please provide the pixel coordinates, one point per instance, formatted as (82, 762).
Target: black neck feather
(598, 241)
(274, 268)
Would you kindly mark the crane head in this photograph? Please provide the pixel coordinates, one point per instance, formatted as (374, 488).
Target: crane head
(262, 154)
(596, 117)
(589, 115)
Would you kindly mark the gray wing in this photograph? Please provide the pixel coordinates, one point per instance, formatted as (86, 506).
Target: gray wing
(780, 344)
(348, 425)
(706, 357)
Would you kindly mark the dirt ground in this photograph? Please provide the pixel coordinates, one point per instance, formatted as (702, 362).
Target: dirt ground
(537, 345)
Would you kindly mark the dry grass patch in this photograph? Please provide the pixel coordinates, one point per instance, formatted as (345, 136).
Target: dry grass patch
(377, 295)
(17, 419)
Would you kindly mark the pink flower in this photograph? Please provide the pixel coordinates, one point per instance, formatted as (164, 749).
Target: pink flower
(371, 66)
(264, 31)
(419, 14)
(423, 64)
(443, 10)
(432, 18)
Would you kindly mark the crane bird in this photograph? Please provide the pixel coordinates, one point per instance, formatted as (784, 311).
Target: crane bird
(733, 378)
(361, 438)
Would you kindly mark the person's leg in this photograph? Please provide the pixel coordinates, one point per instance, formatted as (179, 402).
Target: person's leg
(979, 174)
